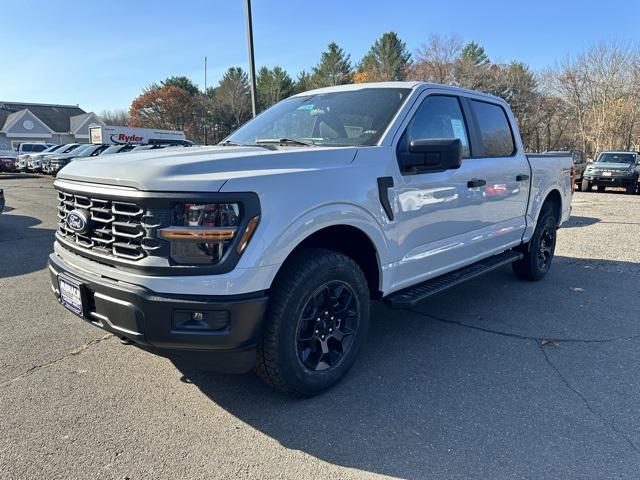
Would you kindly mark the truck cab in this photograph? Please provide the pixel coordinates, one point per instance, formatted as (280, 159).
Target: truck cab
(266, 250)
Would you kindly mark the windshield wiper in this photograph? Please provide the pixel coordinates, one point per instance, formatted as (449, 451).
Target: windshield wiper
(231, 143)
(285, 140)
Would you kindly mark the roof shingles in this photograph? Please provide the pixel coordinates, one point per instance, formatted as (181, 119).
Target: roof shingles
(56, 117)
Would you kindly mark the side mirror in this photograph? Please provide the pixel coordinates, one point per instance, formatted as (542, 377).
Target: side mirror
(432, 155)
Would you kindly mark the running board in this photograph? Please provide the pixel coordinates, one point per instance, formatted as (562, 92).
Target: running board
(410, 296)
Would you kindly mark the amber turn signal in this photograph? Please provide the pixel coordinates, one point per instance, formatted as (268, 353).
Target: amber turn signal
(198, 234)
(248, 233)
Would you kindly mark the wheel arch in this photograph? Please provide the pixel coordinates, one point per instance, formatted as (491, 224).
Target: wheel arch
(348, 230)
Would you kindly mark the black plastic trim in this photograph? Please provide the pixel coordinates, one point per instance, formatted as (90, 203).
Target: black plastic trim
(145, 317)
(384, 184)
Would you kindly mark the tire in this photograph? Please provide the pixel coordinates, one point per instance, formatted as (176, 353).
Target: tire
(601, 188)
(543, 242)
(584, 186)
(300, 353)
(631, 188)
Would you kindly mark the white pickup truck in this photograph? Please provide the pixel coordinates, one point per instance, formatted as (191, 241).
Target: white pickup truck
(266, 250)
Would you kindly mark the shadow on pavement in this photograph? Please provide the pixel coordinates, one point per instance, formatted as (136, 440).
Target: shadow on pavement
(29, 245)
(576, 222)
(459, 387)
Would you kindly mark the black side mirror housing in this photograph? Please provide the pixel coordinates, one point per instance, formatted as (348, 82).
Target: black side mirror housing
(434, 154)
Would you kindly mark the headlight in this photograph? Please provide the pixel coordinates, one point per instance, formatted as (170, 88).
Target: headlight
(201, 233)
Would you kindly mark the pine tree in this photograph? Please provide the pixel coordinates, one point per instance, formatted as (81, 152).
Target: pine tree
(272, 86)
(334, 68)
(388, 59)
(303, 82)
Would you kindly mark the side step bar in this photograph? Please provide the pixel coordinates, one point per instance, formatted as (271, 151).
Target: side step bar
(410, 296)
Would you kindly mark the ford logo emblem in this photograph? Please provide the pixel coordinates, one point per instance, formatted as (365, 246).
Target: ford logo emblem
(78, 221)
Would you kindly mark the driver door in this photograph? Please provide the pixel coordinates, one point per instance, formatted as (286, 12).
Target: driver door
(439, 213)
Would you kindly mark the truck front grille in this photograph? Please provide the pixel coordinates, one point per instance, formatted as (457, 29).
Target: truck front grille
(113, 228)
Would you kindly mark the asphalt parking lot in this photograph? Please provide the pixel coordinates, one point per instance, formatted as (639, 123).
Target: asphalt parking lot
(496, 379)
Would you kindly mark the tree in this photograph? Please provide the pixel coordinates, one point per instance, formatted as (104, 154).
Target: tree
(115, 117)
(473, 69)
(231, 98)
(334, 68)
(387, 59)
(272, 86)
(436, 59)
(181, 82)
(167, 107)
(303, 82)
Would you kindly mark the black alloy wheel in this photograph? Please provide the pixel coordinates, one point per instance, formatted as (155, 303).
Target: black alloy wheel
(326, 326)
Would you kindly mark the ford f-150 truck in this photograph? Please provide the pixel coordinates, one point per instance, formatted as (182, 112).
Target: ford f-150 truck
(266, 250)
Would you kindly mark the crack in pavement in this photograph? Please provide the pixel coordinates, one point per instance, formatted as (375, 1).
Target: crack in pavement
(519, 336)
(539, 344)
(586, 402)
(75, 351)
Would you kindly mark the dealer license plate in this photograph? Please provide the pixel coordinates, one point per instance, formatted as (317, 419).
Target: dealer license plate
(71, 294)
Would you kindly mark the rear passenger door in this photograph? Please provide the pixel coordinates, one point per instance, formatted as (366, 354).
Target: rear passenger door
(505, 169)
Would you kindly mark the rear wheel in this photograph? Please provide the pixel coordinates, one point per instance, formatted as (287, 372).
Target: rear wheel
(538, 254)
(316, 321)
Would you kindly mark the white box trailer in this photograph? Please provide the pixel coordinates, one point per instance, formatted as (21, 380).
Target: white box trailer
(118, 135)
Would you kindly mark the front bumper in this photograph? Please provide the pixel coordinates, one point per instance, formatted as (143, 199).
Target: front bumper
(612, 181)
(155, 321)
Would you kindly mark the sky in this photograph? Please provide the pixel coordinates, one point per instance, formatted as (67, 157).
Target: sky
(101, 54)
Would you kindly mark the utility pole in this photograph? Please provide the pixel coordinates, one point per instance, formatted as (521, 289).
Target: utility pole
(252, 65)
(206, 112)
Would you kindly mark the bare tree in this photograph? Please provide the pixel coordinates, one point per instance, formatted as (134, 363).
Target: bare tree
(115, 117)
(435, 59)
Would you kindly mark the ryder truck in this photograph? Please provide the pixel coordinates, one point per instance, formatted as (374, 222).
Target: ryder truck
(108, 134)
(266, 250)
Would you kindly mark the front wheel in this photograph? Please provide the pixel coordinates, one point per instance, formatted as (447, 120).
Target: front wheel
(584, 186)
(631, 188)
(316, 321)
(539, 252)
(601, 188)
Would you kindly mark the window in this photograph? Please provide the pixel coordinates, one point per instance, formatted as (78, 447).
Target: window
(438, 116)
(495, 132)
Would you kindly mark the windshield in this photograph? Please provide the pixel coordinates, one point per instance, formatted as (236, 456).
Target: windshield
(88, 151)
(617, 158)
(79, 149)
(345, 118)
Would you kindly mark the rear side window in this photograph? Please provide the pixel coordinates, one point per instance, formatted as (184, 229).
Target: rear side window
(38, 148)
(495, 131)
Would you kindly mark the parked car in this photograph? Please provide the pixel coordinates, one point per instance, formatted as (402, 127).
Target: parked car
(613, 169)
(8, 160)
(36, 162)
(32, 147)
(119, 148)
(56, 162)
(267, 250)
(22, 160)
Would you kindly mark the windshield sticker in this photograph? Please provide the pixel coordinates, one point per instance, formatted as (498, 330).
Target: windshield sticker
(306, 106)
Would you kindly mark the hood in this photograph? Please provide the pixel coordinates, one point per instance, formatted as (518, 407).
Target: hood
(200, 169)
(609, 166)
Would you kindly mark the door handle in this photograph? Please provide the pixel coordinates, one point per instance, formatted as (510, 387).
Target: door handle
(476, 182)
(522, 177)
